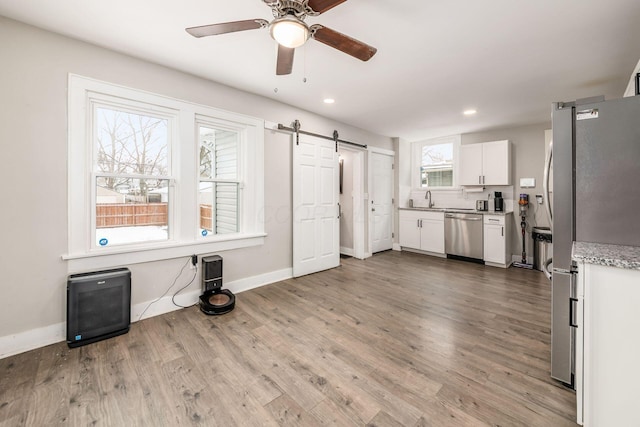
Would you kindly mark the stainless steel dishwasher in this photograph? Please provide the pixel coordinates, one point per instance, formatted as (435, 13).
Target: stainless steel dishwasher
(463, 234)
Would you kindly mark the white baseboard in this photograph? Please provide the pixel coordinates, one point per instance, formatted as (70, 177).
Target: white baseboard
(346, 251)
(248, 283)
(396, 247)
(36, 338)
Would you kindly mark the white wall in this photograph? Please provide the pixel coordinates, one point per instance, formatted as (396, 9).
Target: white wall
(33, 153)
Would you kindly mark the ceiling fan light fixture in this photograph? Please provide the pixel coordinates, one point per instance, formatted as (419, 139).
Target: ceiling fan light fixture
(289, 31)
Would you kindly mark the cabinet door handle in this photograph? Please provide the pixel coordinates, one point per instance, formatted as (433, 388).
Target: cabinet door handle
(479, 179)
(420, 223)
(571, 313)
(417, 223)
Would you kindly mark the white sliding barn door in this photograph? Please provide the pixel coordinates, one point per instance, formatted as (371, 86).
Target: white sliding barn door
(381, 201)
(316, 222)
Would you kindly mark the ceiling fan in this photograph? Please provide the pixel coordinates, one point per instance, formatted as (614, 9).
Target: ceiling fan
(290, 31)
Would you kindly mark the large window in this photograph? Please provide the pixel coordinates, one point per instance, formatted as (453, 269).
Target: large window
(158, 177)
(132, 173)
(434, 163)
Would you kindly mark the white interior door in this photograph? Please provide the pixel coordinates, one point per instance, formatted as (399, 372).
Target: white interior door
(381, 189)
(316, 222)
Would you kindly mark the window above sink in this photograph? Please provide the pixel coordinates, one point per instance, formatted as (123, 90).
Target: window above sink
(434, 163)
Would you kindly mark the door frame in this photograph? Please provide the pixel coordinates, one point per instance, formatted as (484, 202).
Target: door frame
(369, 216)
(359, 200)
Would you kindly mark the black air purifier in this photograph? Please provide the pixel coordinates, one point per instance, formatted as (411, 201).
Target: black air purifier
(214, 300)
(98, 306)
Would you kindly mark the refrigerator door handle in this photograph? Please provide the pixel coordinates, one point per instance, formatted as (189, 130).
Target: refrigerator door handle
(545, 185)
(572, 302)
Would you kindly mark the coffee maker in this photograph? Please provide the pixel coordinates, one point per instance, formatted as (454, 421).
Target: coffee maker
(498, 202)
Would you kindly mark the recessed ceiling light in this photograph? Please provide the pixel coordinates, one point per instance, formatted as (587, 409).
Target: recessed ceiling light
(469, 112)
(329, 100)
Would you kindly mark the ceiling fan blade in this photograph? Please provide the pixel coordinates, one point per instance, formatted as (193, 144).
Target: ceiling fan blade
(227, 27)
(285, 60)
(322, 6)
(342, 42)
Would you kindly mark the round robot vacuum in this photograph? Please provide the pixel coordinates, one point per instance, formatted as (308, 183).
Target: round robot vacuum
(217, 301)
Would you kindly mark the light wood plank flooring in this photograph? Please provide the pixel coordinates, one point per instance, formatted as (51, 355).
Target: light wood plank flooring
(399, 339)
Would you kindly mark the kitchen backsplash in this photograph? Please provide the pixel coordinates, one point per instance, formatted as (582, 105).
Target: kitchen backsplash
(463, 198)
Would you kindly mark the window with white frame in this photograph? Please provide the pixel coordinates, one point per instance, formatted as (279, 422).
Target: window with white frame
(131, 173)
(219, 179)
(434, 163)
(156, 176)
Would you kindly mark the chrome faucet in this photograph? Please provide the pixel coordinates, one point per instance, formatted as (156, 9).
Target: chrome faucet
(427, 195)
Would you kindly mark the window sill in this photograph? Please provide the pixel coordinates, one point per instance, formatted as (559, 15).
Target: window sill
(101, 259)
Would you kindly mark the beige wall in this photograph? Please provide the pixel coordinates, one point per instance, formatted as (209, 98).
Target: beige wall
(33, 155)
(527, 160)
(346, 200)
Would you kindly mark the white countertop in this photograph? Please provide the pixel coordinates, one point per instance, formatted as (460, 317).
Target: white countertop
(457, 210)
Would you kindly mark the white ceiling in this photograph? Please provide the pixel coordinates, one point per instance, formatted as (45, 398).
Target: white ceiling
(509, 59)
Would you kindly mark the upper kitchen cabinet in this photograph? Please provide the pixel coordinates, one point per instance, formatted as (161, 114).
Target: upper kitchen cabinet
(488, 163)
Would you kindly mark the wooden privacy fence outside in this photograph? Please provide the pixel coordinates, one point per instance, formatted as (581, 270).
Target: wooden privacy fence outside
(130, 214)
(110, 215)
(206, 217)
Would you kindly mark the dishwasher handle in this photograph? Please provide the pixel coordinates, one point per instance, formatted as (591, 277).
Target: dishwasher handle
(462, 217)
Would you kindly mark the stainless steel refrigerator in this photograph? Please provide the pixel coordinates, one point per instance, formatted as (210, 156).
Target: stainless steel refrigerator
(594, 161)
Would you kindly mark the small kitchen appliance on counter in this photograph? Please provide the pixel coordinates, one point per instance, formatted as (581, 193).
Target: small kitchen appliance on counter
(482, 205)
(498, 202)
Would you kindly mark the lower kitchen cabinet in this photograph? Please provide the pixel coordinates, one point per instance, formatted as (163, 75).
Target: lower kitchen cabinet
(497, 250)
(607, 345)
(422, 230)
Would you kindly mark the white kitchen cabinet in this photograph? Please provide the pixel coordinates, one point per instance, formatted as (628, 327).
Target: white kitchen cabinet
(608, 345)
(496, 240)
(422, 230)
(470, 164)
(488, 163)
(409, 229)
